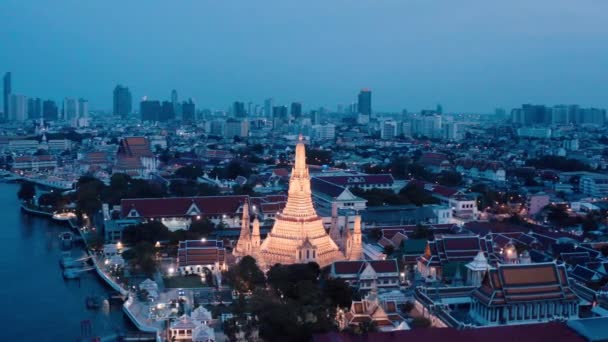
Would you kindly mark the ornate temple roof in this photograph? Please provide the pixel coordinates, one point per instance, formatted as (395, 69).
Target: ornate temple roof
(298, 226)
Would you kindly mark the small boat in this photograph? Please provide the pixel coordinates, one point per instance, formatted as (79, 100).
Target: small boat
(71, 273)
(94, 302)
(69, 262)
(66, 216)
(66, 239)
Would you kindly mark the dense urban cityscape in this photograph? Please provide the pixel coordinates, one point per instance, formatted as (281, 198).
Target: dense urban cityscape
(266, 222)
(133, 217)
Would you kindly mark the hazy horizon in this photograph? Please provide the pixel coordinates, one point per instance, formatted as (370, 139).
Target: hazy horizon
(469, 56)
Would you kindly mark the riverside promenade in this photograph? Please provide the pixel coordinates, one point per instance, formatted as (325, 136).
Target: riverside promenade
(137, 312)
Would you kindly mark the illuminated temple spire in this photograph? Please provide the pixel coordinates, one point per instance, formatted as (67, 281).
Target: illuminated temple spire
(243, 246)
(298, 235)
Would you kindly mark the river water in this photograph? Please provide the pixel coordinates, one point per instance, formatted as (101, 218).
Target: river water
(37, 303)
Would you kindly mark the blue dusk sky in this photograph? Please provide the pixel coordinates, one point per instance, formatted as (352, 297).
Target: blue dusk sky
(468, 55)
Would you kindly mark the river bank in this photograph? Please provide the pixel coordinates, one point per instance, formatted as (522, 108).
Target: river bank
(41, 305)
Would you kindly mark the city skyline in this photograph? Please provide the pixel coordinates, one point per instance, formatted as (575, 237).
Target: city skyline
(416, 55)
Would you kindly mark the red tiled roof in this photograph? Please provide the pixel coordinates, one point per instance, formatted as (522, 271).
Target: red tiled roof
(179, 206)
(196, 252)
(135, 147)
(524, 283)
(384, 266)
(347, 267)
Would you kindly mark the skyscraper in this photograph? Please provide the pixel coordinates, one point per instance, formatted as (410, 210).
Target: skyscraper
(177, 106)
(296, 110)
(268, 107)
(238, 109)
(6, 92)
(279, 116)
(34, 108)
(365, 102)
(167, 112)
(83, 108)
(188, 110)
(149, 110)
(17, 107)
(49, 110)
(70, 109)
(123, 101)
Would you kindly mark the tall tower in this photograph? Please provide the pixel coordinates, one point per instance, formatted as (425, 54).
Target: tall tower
(255, 239)
(243, 246)
(298, 235)
(177, 107)
(122, 101)
(354, 249)
(364, 104)
(7, 90)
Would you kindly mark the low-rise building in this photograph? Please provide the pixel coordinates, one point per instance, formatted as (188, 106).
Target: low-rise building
(363, 275)
(201, 256)
(481, 169)
(525, 293)
(594, 185)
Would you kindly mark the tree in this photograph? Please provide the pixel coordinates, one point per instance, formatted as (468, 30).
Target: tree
(246, 276)
(205, 189)
(417, 195)
(558, 215)
(421, 232)
(189, 172)
(26, 192)
(375, 234)
(420, 322)
(589, 223)
(366, 327)
(388, 250)
(88, 195)
(449, 178)
(338, 292)
(408, 306)
(142, 257)
(204, 227)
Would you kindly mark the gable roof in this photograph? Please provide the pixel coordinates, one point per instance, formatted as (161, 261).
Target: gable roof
(197, 252)
(179, 206)
(513, 283)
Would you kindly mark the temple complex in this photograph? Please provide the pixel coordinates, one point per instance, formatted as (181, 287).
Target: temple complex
(528, 293)
(298, 234)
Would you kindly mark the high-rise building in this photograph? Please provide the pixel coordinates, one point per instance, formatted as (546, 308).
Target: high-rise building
(324, 132)
(238, 109)
(83, 108)
(279, 116)
(296, 110)
(123, 101)
(6, 93)
(188, 110)
(388, 130)
(49, 110)
(364, 102)
(17, 107)
(70, 109)
(34, 108)
(177, 107)
(149, 110)
(236, 127)
(268, 107)
(167, 112)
